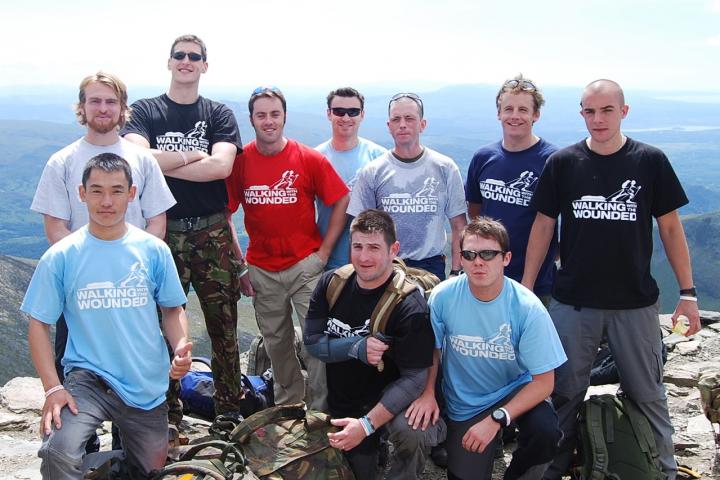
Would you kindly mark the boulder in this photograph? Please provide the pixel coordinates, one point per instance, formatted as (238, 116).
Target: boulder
(23, 395)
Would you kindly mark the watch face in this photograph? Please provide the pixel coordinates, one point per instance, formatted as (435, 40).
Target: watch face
(499, 416)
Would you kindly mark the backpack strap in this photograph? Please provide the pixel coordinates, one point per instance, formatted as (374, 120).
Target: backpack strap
(199, 469)
(593, 415)
(337, 284)
(242, 432)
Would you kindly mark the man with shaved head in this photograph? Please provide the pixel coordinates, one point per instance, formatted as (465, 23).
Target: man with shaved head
(607, 188)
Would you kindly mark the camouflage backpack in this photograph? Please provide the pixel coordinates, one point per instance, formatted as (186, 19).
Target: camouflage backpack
(283, 442)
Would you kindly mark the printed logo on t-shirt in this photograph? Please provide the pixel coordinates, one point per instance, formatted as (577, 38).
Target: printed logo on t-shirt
(424, 200)
(130, 292)
(279, 193)
(518, 191)
(339, 329)
(497, 347)
(193, 139)
(619, 205)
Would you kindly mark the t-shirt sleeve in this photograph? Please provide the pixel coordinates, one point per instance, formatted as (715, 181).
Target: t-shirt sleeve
(472, 186)
(329, 186)
(225, 127)
(456, 193)
(51, 196)
(139, 122)
(232, 184)
(412, 335)
(545, 199)
(669, 193)
(168, 289)
(436, 319)
(363, 192)
(539, 348)
(156, 197)
(45, 296)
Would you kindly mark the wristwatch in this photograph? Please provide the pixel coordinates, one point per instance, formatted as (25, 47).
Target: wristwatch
(500, 416)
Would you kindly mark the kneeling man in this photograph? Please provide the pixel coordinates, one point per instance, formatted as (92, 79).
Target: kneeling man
(363, 397)
(499, 350)
(107, 278)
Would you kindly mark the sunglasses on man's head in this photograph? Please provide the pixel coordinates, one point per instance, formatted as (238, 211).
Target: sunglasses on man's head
(194, 57)
(411, 96)
(486, 255)
(525, 85)
(341, 112)
(260, 90)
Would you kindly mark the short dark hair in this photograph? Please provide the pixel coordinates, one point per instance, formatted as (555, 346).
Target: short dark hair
(347, 92)
(266, 92)
(375, 221)
(605, 84)
(190, 39)
(488, 228)
(107, 162)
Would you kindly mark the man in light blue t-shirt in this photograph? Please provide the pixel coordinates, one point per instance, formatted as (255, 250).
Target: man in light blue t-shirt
(499, 350)
(348, 153)
(107, 279)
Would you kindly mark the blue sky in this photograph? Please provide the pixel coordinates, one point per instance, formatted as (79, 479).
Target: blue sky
(669, 45)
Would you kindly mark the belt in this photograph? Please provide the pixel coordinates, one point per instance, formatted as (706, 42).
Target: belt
(188, 224)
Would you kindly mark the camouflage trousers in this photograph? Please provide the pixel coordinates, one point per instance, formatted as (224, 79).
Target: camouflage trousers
(205, 260)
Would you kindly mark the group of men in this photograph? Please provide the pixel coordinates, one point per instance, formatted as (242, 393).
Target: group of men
(485, 353)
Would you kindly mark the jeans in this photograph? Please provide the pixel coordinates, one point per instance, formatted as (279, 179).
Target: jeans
(434, 265)
(143, 432)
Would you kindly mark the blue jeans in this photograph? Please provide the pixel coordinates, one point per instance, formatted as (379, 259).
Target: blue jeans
(144, 432)
(434, 265)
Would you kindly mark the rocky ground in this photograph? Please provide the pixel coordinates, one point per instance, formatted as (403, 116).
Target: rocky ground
(21, 401)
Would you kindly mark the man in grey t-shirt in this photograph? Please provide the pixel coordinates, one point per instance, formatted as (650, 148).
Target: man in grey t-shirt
(102, 108)
(418, 187)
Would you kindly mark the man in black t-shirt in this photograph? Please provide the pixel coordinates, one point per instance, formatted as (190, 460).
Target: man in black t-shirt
(607, 189)
(195, 141)
(362, 397)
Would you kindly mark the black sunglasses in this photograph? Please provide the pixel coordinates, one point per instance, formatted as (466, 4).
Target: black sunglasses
(486, 255)
(194, 57)
(525, 85)
(341, 111)
(412, 97)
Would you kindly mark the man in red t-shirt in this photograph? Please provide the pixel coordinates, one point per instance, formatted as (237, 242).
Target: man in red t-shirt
(277, 180)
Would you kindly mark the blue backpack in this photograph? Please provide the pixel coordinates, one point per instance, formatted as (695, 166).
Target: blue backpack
(197, 389)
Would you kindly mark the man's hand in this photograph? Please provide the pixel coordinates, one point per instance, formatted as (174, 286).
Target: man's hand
(246, 287)
(423, 411)
(181, 361)
(350, 436)
(480, 435)
(323, 255)
(375, 350)
(51, 410)
(690, 310)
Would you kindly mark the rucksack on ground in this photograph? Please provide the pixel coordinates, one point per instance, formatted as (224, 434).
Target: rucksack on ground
(616, 441)
(283, 442)
(405, 281)
(197, 388)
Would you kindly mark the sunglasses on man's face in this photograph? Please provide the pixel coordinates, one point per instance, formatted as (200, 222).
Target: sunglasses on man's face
(194, 57)
(486, 255)
(341, 112)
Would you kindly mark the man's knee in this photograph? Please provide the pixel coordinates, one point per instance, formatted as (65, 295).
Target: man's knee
(61, 454)
(405, 438)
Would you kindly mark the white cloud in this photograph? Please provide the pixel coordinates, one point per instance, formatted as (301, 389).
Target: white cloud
(715, 5)
(713, 41)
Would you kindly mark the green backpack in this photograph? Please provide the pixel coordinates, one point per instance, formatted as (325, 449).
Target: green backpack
(617, 442)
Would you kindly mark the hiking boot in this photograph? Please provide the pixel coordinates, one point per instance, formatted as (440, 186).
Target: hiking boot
(438, 454)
